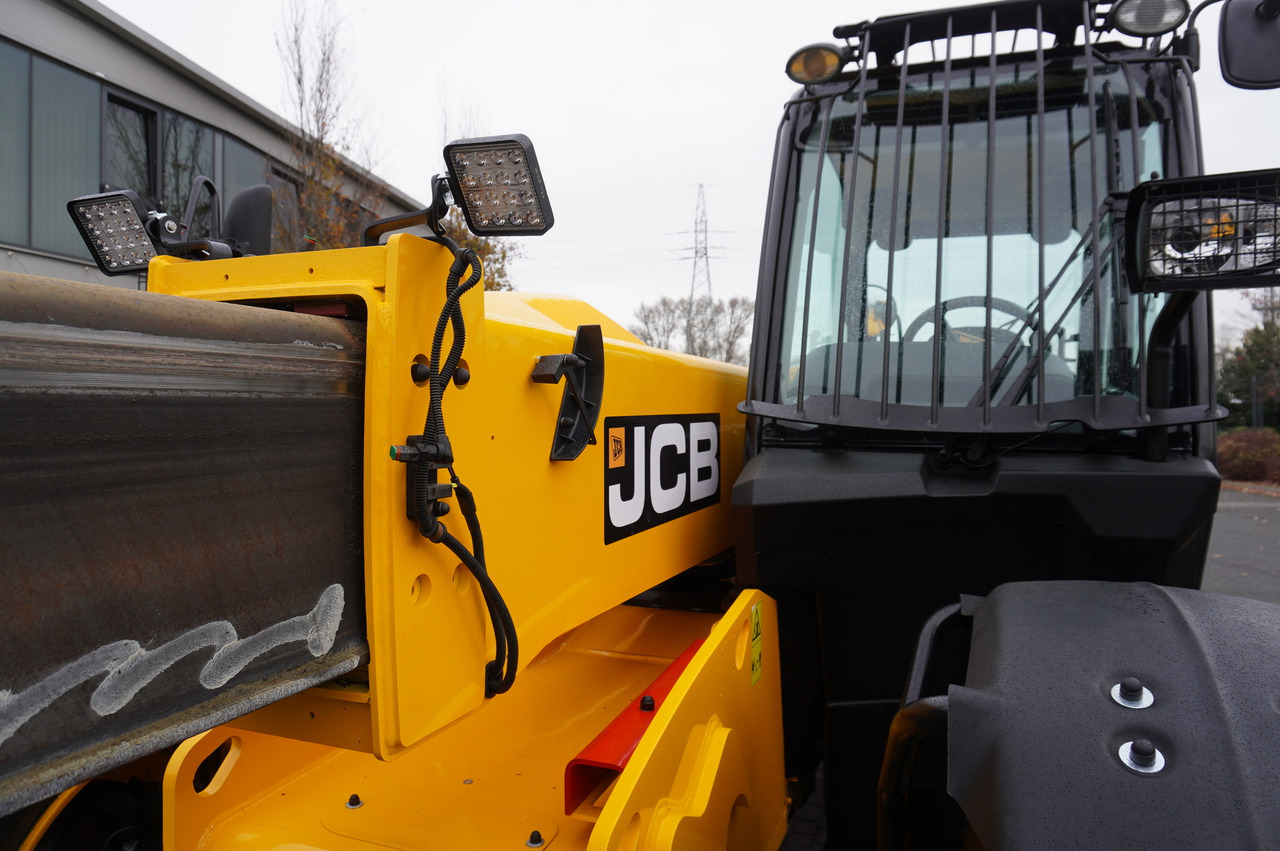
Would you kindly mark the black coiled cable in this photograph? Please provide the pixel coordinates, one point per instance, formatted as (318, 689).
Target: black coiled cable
(501, 672)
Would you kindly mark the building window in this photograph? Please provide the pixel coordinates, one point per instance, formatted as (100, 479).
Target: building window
(286, 213)
(15, 144)
(66, 161)
(242, 167)
(130, 139)
(64, 134)
(188, 154)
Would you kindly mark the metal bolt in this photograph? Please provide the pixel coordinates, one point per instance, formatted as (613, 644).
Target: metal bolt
(1132, 694)
(170, 226)
(646, 703)
(1143, 753)
(354, 802)
(535, 840)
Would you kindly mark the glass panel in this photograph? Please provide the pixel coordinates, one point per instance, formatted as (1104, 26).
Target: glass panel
(932, 231)
(15, 150)
(242, 167)
(66, 153)
(188, 153)
(130, 157)
(286, 215)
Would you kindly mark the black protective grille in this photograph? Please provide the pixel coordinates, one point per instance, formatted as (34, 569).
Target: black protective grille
(1197, 236)
(1072, 345)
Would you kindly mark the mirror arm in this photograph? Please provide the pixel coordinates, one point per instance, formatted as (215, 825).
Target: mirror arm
(193, 198)
(1160, 365)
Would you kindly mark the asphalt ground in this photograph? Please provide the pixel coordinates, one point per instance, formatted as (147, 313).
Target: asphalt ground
(1244, 551)
(1244, 560)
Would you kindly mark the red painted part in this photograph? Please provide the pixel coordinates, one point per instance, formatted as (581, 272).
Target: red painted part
(610, 751)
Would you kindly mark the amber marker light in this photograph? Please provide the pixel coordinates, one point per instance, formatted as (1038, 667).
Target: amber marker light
(816, 63)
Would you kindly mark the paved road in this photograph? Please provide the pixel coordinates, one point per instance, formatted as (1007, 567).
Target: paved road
(1244, 552)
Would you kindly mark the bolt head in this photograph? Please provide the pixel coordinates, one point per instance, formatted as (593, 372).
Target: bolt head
(1131, 688)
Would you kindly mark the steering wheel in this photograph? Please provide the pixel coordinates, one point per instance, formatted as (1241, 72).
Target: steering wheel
(1003, 305)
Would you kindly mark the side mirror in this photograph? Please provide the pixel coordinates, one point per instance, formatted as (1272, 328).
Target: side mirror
(1218, 231)
(1249, 43)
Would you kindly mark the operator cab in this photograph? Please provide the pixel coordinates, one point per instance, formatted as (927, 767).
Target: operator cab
(958, 381)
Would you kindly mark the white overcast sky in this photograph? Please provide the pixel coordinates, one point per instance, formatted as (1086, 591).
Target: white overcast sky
(630, 107)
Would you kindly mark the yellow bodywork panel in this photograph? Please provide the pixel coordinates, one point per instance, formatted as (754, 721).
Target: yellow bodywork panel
(707, 774)
(544, 521)
(566, 542)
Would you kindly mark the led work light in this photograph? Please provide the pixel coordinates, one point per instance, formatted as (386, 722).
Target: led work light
(1149, 18)
(497, 182)
(114, 227)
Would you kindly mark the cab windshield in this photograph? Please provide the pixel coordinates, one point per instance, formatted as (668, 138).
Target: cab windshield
(946, 264)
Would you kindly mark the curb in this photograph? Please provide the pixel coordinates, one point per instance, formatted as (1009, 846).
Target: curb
(1256, 488)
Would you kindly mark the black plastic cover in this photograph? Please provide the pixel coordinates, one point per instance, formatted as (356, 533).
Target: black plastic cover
(1034, 736)
(1249, 45)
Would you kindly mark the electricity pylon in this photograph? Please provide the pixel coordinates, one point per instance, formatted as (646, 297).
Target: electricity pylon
(700, 287)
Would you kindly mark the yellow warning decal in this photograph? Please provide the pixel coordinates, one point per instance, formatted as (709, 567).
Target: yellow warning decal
(617, 447)
(757, 640)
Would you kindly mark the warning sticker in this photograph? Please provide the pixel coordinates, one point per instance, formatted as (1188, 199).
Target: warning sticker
(757, 640)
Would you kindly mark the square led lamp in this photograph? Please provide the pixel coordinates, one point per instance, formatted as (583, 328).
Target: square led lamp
(113, 226)
(497, 182)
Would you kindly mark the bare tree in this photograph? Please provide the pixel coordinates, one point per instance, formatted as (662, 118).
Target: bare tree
(708, 327)
(738, 313)
(1266, 300)
(328, 199)
(1249, 374)
(659, 321)
(495, 253)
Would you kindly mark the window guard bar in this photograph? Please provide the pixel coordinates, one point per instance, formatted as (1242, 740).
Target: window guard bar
(990, 411)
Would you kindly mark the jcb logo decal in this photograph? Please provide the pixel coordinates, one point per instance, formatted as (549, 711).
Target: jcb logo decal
(658, 469)
(617, 447)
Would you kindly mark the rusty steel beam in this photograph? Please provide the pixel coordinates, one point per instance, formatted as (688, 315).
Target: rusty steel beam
(180, 520)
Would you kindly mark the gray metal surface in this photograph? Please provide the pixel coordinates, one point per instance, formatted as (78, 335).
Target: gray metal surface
(180, 520)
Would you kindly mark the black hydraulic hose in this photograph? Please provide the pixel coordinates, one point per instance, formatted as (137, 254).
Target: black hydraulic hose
(451, 314)
(433, 429)
(493, 683)
(501, 671)
(467, 503)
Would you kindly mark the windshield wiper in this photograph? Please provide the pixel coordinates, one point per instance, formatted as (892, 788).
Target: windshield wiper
(998, 372)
